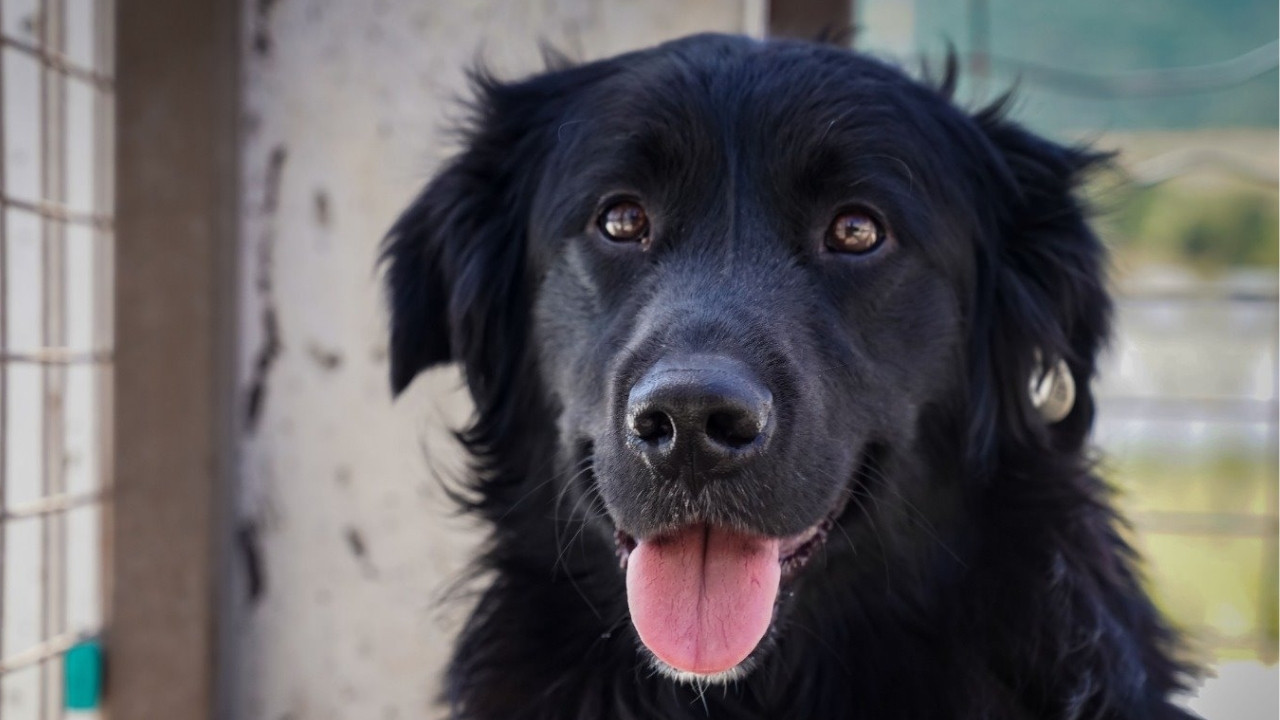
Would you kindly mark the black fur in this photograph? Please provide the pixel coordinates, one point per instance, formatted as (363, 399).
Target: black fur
(978, 572)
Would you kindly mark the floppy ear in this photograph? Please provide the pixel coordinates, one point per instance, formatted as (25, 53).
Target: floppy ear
(1042, 286)
(455, 258)
(416, 283)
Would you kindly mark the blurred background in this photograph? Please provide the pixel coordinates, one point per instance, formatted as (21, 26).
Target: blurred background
(204, 485)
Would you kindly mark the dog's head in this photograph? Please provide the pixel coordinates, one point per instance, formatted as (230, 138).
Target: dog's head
(759, 292)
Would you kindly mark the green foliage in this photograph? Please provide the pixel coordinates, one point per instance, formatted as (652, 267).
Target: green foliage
(1207, 227)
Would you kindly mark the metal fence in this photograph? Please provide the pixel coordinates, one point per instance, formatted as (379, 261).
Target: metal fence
(56, 275)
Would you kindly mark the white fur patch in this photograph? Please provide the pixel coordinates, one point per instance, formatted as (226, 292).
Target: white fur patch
(698, 680)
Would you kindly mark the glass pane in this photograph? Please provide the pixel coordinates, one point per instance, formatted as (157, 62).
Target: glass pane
(20, 694)
(80, 18)
(23, 567)
(78, 174)
(84, 570)
(80, 428)
(22, 127)
(18, 18)
(24, 273)
(24, 444)
(80, 295)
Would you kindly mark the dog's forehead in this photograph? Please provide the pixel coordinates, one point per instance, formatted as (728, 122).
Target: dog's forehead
(788, 110)
(760, 89)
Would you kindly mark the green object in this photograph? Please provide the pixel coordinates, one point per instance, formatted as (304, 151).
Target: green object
(82, 668)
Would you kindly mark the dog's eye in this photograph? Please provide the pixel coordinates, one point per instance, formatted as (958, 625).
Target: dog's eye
(854, 231)
(624, 221)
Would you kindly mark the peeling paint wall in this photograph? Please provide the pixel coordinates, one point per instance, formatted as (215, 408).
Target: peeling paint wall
(343, 541)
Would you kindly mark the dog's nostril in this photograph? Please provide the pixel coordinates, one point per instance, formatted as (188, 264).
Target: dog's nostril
(653, 427)
(733, 428)
(690, 415)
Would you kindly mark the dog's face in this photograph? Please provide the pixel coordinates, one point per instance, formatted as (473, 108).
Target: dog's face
(742, 288)
(744, 280)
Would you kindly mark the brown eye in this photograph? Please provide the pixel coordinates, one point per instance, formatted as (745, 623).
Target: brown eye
(854, 232)
(624, 221)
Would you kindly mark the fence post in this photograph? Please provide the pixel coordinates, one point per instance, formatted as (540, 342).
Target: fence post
(177, 110)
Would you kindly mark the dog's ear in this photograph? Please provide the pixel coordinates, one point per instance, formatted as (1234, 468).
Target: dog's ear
(1041, 286)
(416, 287)
(455, 258)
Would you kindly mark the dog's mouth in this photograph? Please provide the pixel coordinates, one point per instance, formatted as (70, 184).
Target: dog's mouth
(702, 597)
(794, 552)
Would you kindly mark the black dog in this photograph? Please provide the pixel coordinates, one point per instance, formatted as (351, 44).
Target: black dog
(750, 328)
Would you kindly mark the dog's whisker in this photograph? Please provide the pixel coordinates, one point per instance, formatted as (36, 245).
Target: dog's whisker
(565, 546)
(834, 653)
(584, 467)
(908, 509)
(924, 522)
(516, 505)
(702, 696)
(875, 532)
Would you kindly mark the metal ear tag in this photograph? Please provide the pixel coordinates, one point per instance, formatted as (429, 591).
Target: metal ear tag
(1053, 390)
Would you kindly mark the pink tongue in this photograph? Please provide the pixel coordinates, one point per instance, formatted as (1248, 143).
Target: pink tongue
(703, 597)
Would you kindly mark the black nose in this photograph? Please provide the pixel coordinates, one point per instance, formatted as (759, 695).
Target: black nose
(698, 416)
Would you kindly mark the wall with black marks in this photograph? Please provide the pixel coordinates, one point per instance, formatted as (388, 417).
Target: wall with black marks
(343, 541)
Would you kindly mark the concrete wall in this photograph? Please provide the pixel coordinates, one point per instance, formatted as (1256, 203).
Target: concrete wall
(343, 541)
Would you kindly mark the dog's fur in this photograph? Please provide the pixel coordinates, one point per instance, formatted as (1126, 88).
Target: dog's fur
(978, 571)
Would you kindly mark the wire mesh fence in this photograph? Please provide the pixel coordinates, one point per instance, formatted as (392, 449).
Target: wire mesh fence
(56, 249)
